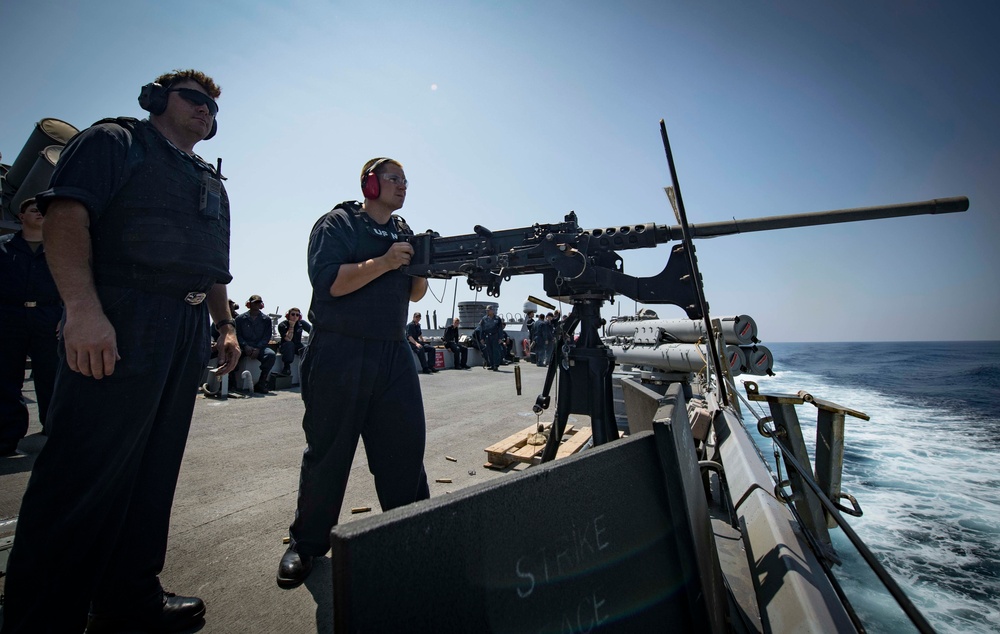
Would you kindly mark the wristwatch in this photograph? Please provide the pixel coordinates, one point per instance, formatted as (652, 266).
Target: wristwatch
(225, 322)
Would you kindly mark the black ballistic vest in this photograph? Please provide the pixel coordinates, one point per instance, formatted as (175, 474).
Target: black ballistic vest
(157, 230)
(377, 310)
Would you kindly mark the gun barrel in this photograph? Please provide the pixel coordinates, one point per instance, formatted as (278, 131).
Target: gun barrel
(768, 223)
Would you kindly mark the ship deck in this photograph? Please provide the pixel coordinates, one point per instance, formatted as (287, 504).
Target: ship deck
(238, 483)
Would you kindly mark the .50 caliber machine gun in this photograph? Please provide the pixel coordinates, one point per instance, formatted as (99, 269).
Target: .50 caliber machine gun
(583, 268)
(575, 261)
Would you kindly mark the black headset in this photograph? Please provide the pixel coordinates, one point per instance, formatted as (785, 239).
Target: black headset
(370, 185)
(153, 99)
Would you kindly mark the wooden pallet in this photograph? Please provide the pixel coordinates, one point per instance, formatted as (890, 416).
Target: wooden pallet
(515, 448)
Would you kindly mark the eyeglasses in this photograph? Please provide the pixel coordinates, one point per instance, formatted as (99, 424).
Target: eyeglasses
(197, 98)
(396, 179)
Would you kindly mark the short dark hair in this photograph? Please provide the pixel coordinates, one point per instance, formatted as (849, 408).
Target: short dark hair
(176, 76)
(27, 202)
(416, 315)
(381, 167)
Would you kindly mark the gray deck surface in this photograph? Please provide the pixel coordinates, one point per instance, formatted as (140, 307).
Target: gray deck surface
(238, 484)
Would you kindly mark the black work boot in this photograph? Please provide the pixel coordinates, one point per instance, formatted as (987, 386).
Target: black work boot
(293, 569)
(177, 614)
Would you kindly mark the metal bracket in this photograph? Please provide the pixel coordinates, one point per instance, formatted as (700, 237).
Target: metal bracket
(829, 465)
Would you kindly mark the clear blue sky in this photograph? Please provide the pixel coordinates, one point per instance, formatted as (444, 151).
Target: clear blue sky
(509, 113)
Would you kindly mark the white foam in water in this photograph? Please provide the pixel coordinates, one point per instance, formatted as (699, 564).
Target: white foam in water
(929, 487)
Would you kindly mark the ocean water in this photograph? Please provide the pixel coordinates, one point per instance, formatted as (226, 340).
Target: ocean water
(924, 470)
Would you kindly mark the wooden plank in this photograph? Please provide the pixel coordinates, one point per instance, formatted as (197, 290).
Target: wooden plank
(513, 441)
(571, 443)
(527, 452)
(502, 453)
(498, 459)
(574, 443)
(515, 448)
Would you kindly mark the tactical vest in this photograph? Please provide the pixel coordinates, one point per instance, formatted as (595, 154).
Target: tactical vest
(162, 228)
(378, 309)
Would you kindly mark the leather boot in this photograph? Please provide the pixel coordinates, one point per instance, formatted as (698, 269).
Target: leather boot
(177, 614)
(293, 569)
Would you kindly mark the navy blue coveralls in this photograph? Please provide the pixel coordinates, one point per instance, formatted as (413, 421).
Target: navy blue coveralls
(490, 327)
(358, 381)
(29, 314)
(92, 530)
(451, 342)
(289, 349)
(255, 332)
(543, 334)
(424, 351)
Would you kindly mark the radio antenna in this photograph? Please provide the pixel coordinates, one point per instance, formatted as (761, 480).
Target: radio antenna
(677, 201)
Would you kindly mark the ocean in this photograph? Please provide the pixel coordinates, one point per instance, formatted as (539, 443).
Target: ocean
(924, 470)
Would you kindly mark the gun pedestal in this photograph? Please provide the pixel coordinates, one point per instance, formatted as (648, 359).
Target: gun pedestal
(585, 368)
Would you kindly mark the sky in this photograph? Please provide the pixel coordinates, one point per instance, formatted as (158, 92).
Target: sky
(506, 114)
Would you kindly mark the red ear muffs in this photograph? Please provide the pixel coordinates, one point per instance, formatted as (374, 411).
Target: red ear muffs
(371, 187)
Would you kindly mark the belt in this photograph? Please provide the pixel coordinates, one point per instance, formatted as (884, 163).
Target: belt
(179, 287)
(192, 297)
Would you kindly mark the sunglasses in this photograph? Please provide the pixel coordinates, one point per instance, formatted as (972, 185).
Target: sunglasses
(197, 98)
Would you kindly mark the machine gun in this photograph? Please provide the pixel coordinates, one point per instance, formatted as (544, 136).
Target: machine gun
(583, 268)
(577, 262)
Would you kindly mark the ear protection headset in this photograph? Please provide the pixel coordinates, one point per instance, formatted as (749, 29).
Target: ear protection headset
(370, 185)
(153, 99)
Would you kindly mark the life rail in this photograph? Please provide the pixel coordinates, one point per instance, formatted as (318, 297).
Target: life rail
(804, 476)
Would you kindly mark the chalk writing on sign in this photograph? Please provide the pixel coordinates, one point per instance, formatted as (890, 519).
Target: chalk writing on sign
(567, 554)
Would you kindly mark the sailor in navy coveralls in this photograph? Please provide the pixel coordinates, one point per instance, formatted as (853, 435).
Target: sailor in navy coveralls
(137, 239)
(358, 375)
(29, 314)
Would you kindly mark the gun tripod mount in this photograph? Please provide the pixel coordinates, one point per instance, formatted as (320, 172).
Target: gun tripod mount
(585, 367)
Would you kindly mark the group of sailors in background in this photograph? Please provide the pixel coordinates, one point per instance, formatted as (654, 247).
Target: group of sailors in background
(542, 335)
(490, 338)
